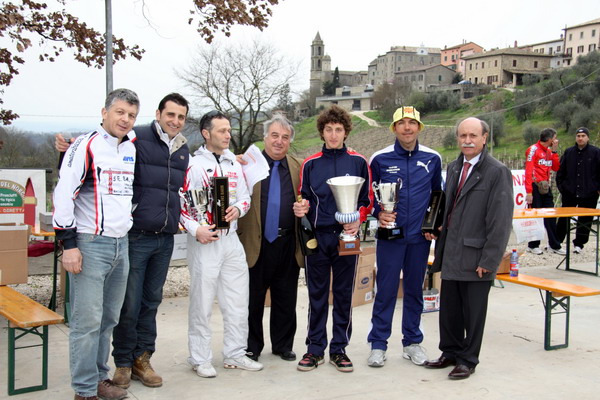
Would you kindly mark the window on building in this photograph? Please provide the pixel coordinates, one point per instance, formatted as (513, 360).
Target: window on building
(569, 51)
(570, 37)
(439, 78)
(412, 78)
(495, 63)
(482, 65)
(549, 50)
(514, 63)
(470, 67)
(592, 47)
(452, 57)
(580, 49)
(319, 50)
(541, 51)
(476, 65)
(593, 33)
(581, 35)
(318, 63)
(558, 49)
(535, 64)
(446, 58)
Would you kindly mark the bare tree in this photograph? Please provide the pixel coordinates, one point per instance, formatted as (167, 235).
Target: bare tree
(27, 23)
(242, 81)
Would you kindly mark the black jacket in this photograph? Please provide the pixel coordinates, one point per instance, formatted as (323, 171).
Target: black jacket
(159, 174)
(579, 173)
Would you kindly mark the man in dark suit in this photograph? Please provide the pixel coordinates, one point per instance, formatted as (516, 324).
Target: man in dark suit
(274, 258)
(473, 238)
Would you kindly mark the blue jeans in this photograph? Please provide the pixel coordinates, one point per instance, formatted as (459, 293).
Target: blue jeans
(96, 298)
(149, 257)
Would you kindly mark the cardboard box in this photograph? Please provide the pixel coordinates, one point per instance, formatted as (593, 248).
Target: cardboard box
(14, 265)
(504, 267)
(365, 279)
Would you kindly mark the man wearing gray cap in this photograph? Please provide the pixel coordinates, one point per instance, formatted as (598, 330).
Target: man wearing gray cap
(578, 180)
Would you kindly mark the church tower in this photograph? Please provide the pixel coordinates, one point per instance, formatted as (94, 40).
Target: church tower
(320, 65)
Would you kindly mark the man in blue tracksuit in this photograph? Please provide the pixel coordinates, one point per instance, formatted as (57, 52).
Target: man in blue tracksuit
(334, 125)
(419, 167)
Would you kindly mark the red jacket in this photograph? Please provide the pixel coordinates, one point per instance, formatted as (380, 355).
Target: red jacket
(539, 160)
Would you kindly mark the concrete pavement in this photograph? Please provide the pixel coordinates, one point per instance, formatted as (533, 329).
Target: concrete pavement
(513, 365)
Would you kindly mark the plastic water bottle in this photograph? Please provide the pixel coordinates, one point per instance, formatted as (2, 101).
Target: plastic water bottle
(514, 263)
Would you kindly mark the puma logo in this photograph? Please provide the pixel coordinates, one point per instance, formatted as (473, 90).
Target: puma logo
(422, 164)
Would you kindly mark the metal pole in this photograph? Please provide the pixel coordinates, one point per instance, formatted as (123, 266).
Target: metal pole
(109, 48)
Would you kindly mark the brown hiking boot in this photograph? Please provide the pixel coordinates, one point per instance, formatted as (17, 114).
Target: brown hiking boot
(78, 397)
(122, 377)
(108, 391)
(143, 371)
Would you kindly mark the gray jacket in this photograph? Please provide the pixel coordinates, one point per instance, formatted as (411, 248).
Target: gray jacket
(481, 221)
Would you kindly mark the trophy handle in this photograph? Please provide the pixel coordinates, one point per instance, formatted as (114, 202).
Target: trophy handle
(375, 187)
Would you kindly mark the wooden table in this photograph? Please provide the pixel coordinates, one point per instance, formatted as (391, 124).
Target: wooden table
(560, 212)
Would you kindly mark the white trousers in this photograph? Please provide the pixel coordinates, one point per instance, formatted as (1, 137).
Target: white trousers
(218, 268)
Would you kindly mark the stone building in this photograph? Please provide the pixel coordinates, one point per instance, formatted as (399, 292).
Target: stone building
(398, 59)
(424, 79)
(551, 47)
(505, 67)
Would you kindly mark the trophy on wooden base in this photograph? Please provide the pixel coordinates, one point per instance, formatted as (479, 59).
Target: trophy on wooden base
(388, 195)
(346, 190)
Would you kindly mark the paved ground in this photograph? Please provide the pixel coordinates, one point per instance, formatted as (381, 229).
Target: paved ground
(513, 362)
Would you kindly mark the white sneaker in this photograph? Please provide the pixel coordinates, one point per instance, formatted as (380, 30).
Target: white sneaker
(560, 251)
(415, 353)
(577, 250)
(242, 362)
(205, 370)
(535, 250)
(377, 358)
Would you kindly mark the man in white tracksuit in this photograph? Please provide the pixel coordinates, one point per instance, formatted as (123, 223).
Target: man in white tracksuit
(216, 258)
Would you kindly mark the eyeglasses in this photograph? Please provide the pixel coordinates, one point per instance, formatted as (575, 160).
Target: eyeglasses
(208, 117)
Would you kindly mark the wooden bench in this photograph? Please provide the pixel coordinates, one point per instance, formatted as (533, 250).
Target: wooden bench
(25, 316)
(558, 296)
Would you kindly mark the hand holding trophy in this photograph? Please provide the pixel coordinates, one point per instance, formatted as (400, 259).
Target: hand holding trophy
(388, 195)
(346, 190)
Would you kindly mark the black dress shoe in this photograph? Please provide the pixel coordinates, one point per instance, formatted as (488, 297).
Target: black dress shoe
(440, 363)
(286, 355)
(461, 371)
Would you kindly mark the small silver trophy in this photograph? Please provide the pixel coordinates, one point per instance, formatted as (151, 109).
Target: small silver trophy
(197, 201)
(387, 195)
(346, 190)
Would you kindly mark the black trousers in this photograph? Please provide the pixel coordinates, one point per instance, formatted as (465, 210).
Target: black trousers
(583, 223)
(278, 270)
(545, 201)
(463, 309)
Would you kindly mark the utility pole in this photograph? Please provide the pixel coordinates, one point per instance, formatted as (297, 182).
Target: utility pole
(109, 47)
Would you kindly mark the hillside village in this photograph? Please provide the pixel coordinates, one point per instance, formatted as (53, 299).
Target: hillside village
(465, 68)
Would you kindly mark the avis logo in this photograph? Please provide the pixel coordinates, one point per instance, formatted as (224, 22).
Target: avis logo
(128, 159)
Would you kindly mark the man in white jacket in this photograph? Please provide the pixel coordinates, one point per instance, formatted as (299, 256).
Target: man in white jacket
(216, 258)
(92, 215)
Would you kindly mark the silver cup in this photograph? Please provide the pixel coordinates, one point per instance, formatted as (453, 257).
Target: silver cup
(346, 190)
(197, 201)
(388, 195)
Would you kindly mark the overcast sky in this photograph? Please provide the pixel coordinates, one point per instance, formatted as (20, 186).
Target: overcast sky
(66, 95)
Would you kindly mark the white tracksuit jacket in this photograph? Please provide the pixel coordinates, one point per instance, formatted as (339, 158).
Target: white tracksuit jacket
(95, 187)
(218, 268)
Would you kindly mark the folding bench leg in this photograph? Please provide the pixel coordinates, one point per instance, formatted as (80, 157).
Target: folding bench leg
(563, 304)
(12, 359)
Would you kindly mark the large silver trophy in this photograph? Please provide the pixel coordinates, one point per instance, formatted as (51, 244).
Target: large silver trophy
(388, 195)
(346, 190)
(197, 201)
